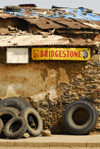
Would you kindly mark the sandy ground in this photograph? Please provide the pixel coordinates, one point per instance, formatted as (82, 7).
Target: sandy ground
(54, 142)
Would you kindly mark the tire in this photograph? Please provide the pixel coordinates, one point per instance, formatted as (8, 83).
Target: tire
(15, 128)
(84, 120)
(33, 121)
(16, 102)
(14, 110)
(7, 113)
(13, 8)
(1, 126)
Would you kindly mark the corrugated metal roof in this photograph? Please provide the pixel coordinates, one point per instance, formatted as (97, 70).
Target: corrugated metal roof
(44, 23)
(70, 23)
(5, 15)
(38, 40)
(45, 19)
(56, 18)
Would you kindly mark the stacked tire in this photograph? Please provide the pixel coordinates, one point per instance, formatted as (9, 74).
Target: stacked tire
(17, 117)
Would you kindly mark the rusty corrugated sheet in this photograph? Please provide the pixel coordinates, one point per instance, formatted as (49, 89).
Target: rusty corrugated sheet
(97, 38)
(52, 22)
(70, 23)
(44, 23)
(6, 15)
(56, 23)
(90, 24)
(38, 40)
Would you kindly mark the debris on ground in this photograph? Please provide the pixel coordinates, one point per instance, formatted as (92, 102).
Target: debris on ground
(46, 132)
(26, 135)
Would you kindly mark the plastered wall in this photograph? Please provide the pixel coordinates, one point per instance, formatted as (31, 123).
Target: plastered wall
(51, 85)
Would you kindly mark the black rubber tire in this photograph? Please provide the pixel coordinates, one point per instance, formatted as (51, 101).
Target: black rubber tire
(80, 125)
(15, 128)
(13, 8)
(16, 102)
(7, 113)
(32, 117)
(14, 110)
(1, 126)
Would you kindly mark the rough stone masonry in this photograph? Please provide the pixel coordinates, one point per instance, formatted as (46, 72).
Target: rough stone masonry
(83, 82)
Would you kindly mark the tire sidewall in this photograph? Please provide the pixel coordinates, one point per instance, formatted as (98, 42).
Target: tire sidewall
(18, 133)
(69, 123)
(38, 130)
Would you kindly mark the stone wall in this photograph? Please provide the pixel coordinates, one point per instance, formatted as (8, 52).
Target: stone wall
(83, 81)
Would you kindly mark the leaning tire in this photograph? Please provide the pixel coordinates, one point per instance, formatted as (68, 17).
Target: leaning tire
(16, 102)
(1, 125)
(7, 113)
(15, 128)
(80, 117)
(33, 121)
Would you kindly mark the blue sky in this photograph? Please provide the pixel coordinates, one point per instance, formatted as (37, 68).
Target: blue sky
(92, 4)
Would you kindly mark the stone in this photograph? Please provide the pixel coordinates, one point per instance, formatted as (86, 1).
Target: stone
(35, 105)
(29, 100)
(71, 40)
(95, 58)
(75, 83)
(84, 12)
(75, 10)
(45, 35)
(89, 10)
(66, 12)
(79, 76)
(89, 79)
(11, 28)
(45, 103)
(86, 67)
(89, 40)
(43, 111)
(26, 135)
(46, 132)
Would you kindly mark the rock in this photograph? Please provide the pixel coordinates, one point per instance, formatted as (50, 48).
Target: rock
(75, 10)
(45, 35)
(34, 17)
(45, 103)
(46, 132)
(26, 135)
(35, 105)
(66, 12)
(29, 100)
(11, 28)
(86, 67)
(89, 10)
(76, 83)
(79, 76)
(84, 13)
(43, 111)
(71, 40)
(89, 40)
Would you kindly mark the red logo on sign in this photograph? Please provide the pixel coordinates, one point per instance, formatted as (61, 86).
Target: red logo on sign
(36, 53)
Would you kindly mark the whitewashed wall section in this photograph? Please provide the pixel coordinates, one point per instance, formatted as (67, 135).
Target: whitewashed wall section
(17, 56)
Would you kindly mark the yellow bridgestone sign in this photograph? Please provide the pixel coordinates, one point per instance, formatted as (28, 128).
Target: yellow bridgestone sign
(82, 54)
